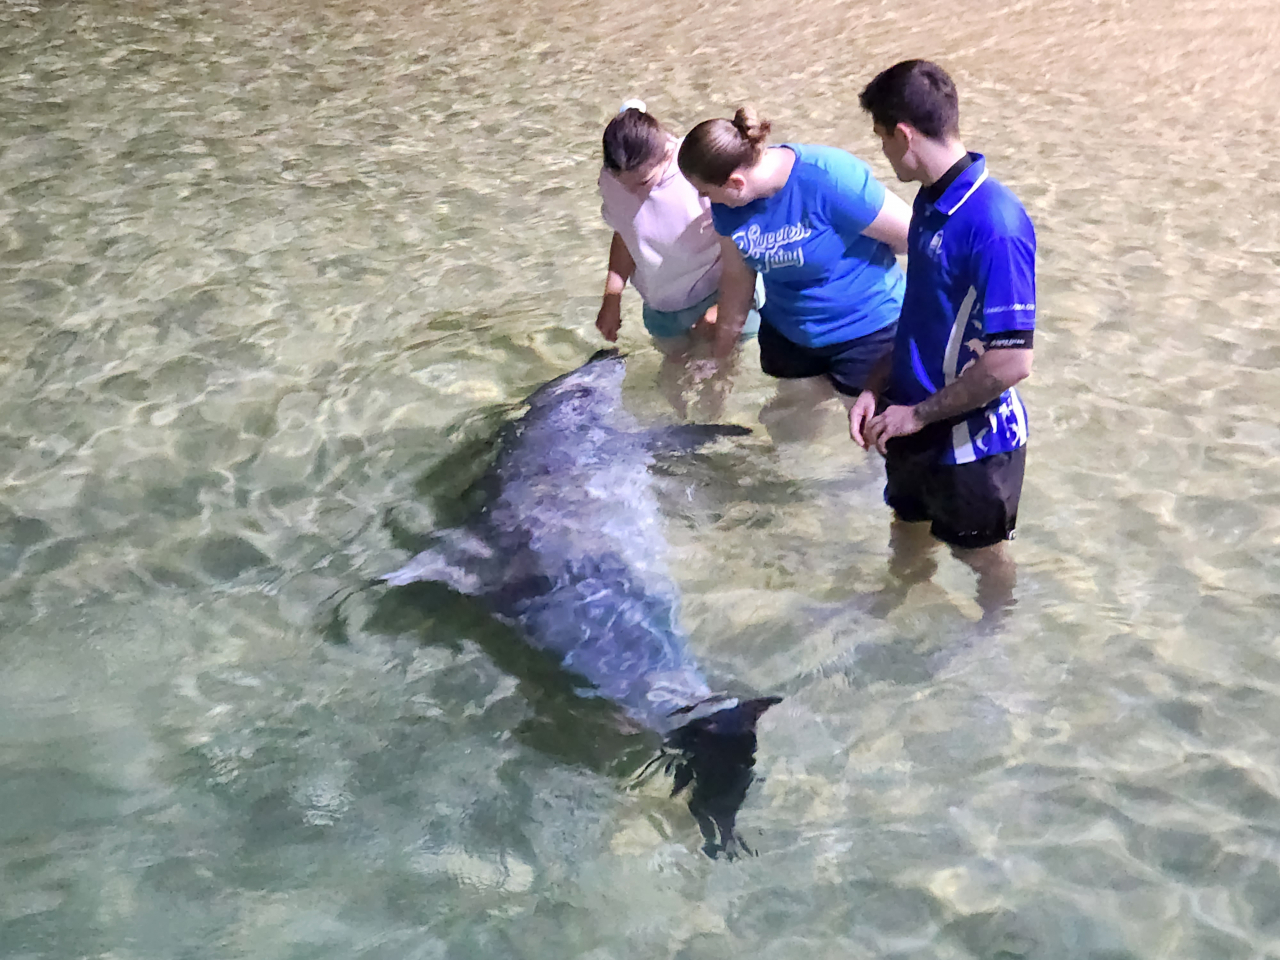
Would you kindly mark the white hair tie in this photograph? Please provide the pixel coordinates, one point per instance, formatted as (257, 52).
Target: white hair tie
(633, 104)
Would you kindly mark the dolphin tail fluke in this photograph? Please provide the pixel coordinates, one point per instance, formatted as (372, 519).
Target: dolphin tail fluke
(452, 561)
(715, 756)
(690, 436)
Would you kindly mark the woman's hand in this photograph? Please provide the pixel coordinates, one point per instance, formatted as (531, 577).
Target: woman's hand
(860, 414)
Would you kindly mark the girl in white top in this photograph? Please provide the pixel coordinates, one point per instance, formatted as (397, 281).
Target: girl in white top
(663, 240)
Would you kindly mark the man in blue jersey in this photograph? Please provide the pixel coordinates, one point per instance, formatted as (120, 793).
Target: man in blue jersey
(950, 425)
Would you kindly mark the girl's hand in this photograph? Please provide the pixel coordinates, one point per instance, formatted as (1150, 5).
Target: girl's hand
(705, 329)
(609, 319)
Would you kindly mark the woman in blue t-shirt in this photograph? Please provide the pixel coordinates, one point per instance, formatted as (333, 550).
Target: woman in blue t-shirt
(823, 232)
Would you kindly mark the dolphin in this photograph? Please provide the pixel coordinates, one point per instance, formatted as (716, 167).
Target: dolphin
(569, 549)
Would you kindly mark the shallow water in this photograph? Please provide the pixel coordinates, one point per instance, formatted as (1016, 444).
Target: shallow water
(270, 270)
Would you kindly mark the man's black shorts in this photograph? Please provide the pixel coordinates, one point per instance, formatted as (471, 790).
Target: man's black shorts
(969, 505)
(846, 364)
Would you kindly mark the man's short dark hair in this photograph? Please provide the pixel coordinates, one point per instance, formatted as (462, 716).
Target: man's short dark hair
(915, 92)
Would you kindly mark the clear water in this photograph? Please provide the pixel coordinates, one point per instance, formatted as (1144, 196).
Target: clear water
(271, 269)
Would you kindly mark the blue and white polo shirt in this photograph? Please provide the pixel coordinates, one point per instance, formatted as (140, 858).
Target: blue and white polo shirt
(971, 276)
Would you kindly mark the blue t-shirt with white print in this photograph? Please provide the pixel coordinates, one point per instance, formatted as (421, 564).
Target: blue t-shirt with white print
(971, 274)
(825, 282)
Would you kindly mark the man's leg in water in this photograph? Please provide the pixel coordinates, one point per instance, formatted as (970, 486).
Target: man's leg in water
(997, 576)
(965, 504)
(911, 561)
(911, 547)
(985, 496)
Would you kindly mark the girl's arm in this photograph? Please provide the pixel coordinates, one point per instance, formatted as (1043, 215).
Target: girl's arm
(621, 266)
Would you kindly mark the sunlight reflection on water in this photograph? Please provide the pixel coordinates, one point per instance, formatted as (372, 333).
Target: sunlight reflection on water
(269, 270)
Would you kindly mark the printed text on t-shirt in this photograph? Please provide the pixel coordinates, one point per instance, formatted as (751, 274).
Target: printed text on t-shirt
(766, 249)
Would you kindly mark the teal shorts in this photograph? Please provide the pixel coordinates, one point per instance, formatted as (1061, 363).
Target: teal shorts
(665, 324)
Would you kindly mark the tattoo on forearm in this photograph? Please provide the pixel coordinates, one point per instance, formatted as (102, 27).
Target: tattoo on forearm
(973, 389)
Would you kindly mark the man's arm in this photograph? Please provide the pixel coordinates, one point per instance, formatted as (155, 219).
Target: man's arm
(990, 375)
(621, 266)
(737, 288)
(1004, 278)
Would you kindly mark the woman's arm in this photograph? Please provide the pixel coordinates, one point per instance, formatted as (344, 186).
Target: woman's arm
(891, 223)
(737, 288)
(864, 408)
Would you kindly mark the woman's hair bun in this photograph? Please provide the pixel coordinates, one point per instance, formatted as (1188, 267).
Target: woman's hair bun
(713, 149)
(748, 123)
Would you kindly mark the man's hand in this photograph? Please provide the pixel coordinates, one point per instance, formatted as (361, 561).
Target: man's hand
(609, 319)
(896, 421)
(860, 414)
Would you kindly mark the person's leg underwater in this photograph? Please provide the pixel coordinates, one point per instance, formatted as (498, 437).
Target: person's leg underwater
(671, 375)
(711, 380)
(686, 339)
(793, 413)
(997, 576)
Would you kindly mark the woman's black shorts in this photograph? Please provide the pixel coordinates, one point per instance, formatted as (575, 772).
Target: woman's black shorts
(846, 364)
(968, 505)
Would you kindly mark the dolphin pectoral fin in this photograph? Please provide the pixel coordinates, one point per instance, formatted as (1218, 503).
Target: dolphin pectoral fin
(452, 562)
(754, 708)
(432, 564)
(686, 437)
